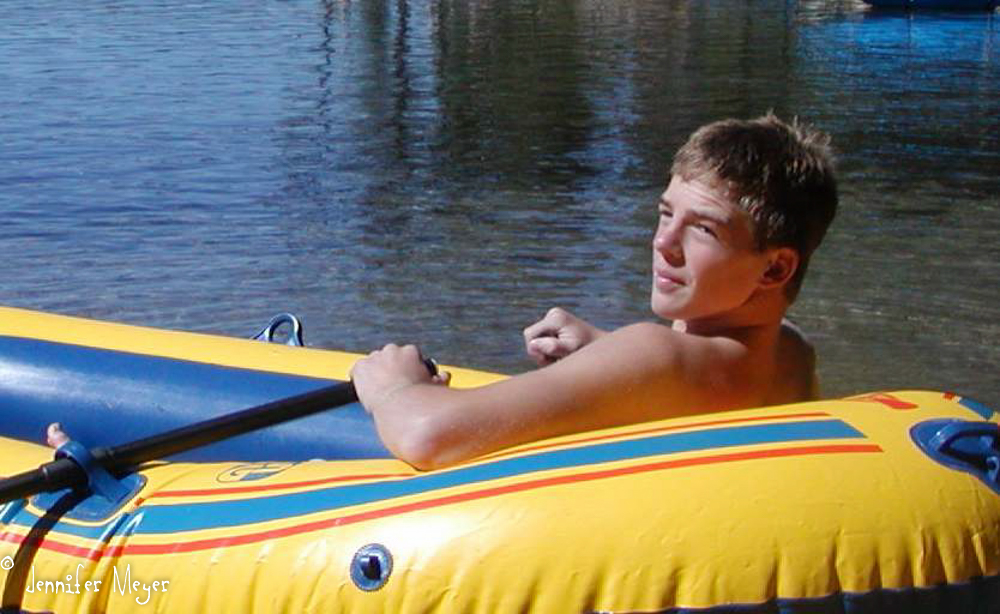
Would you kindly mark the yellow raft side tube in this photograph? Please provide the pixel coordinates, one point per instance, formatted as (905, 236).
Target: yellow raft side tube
(214, 349)
(819, 507)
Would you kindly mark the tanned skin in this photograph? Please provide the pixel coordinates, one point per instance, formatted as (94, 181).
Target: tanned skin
(724, 344)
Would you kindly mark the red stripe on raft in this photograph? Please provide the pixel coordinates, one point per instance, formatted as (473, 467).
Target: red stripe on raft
(264, 487)
(268, 487)
(661, 429)
(140, 549)
(237, 540)
(94, 553)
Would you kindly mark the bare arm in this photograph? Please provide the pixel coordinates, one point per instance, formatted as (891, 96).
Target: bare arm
(637, 373)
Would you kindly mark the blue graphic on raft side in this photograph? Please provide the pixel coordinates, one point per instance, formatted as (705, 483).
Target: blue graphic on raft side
(977, 407)
(107, 398)
(187, 516)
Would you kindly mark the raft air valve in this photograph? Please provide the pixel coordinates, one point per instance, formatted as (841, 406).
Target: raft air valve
(371, 566)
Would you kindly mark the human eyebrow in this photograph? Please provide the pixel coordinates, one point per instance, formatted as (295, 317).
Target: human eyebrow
(711, 215)
(713, 222)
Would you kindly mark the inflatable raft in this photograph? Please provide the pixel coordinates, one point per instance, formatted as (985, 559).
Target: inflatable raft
(885, 502)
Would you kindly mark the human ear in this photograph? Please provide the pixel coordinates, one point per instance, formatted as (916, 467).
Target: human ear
(782, 264)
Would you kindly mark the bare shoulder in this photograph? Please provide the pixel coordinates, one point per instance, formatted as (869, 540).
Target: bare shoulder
(796, 361)
(794, 345)
(699, 373)
(663, 346)
(714, 373)
(660, 334)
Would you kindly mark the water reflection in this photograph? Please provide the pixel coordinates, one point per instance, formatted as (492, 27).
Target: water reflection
(442, 172)
(898, 74)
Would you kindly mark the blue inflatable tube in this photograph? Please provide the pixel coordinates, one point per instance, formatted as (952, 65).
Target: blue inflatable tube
(108, 397)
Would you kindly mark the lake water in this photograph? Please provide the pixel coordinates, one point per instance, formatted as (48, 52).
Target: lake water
(443, 172)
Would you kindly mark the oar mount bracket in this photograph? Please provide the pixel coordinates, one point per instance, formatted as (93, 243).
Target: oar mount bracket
(104, 494)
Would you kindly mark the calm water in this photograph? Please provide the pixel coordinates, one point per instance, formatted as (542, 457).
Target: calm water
(443, 172)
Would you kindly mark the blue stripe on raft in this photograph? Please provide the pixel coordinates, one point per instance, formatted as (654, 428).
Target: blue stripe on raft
(162, 519)
(977, 596)
(985, 412)
(106, 398)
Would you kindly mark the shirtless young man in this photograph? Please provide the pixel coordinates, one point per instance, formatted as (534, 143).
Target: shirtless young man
(747, 204)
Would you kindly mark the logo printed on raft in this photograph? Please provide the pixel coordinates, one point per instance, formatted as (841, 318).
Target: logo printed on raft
(249, 472)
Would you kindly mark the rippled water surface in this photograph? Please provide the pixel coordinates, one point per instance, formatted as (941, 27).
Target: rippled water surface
(443, 172)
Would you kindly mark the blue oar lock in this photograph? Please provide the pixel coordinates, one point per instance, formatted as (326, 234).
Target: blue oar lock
(969, 446)
(101, 496)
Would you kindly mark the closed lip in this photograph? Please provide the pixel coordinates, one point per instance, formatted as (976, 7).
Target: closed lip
(666, 276)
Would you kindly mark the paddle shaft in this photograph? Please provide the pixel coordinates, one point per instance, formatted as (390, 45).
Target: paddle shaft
(63, 472)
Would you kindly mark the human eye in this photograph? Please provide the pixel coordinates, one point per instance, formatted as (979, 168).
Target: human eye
(707, 230)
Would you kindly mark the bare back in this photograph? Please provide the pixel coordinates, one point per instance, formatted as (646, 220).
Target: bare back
(795, 359)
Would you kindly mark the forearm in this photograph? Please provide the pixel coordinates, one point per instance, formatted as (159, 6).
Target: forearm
(430, 426)
(630, 375)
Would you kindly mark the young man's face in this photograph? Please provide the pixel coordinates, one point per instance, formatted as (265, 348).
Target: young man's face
(704, 259)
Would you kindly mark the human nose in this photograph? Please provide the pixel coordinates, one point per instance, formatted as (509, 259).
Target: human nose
(667, 242)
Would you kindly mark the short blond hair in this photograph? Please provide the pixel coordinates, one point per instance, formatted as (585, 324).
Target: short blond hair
(781, 174)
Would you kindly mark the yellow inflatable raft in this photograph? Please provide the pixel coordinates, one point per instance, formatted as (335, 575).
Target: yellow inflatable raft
(884, 502)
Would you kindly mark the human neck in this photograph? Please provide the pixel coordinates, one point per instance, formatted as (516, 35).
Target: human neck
(758, 316)
(713, 327)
